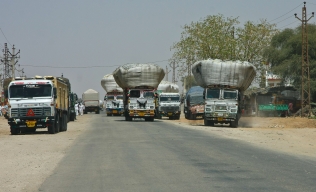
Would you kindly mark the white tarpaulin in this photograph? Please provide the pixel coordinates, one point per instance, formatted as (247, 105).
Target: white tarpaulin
(90, 94)
(236, 74)
(109, 85)
(168, 87)
(135, 75)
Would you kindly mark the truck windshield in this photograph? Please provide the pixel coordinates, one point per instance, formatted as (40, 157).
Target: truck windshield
(119, 97)
(230, 94)
(148, 94)
(213, 93)
(110, 97)
(196, 99)
(30, 90)
(170, 98)
(134, 93)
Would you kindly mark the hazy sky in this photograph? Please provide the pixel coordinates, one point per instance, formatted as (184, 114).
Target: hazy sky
(87, 39)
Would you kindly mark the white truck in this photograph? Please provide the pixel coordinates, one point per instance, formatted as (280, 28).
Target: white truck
(38, 102)
(114, 96)
(168, 102)
(224, 83)
(139, 82)
(90, 99)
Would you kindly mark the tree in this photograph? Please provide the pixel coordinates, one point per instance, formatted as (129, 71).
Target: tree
(285, 56)
(219, 38)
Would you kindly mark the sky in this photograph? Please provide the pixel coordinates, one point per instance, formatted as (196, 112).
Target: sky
(87, 39)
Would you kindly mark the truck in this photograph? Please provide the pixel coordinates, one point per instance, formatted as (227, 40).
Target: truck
(168, 102)
(73, 98)
(38, 102)
(114, 96)
(224, 83)
(194, 103)
(139, 83)
(90, 99)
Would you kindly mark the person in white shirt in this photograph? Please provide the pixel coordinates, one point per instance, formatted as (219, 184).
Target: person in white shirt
(80, 109)
(76, 108)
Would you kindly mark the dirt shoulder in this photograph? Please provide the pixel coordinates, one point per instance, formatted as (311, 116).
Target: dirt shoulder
(27, 160)
(294, 136)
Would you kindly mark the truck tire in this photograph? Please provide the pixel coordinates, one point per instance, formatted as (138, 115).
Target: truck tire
(51, 128)
(64, 123)
(57, 123)
(206, 122)
(97, 112)
(234, 124)
(15, 131)
(72, 117)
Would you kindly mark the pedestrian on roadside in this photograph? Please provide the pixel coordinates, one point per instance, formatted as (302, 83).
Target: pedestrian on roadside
(76, 108)
(81, 109)
(1, 110)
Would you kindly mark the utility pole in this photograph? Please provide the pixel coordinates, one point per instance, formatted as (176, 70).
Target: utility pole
(173, 66)
(305, 87)
(167, 72)
(13, 60)
(5, 60)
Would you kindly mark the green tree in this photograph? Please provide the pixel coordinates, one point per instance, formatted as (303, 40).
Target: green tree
(218, 37)
(285, 56)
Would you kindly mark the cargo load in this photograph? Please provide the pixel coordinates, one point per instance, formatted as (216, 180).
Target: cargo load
(91, 101)
(168, 87)
(138, 75)
(139, 83)
(234, 74)
(109, 85)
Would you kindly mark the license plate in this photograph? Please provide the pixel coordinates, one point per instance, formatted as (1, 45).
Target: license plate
(114, 111)
(170, 114)
(220, 114)
(220, 118)
(141, 114)
(30, 123)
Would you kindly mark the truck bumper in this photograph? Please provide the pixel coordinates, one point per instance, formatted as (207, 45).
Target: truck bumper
(31, 122)
(170, 113)
(119, 111)
(141, 113)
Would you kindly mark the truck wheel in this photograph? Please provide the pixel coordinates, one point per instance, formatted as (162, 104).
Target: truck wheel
(57, 123)
(51, 129)
(97, 112)
(234, 124)
(206, 122)
(72, 117)
(65, 120)
(15, 131)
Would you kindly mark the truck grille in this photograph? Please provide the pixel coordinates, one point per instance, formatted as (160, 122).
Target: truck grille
(169, 108)
(22, 112)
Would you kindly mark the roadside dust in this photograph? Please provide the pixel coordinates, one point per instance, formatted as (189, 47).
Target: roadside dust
(292, 135)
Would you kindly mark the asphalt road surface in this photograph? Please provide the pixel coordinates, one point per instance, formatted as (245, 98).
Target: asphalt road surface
(117, 155)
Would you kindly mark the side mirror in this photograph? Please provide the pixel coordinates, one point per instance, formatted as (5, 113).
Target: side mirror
(204, 94)
(55, 92)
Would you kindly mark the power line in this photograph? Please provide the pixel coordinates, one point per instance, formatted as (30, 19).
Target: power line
(285, 13)
(83, 67)
(5, 36)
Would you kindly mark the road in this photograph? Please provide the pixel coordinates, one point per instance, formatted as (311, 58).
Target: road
(116, 155)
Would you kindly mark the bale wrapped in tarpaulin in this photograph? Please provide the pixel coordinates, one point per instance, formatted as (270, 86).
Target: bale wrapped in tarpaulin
(109, 84)
(236, 74)
(168, 87)
(138, 75)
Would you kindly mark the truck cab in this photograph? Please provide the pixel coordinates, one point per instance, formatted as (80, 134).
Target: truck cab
(139, 103)
(114, 104)
(169, 105)
(222, 105)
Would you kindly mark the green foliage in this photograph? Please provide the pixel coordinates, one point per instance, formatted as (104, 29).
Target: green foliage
(285, 55)
(218, 37)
